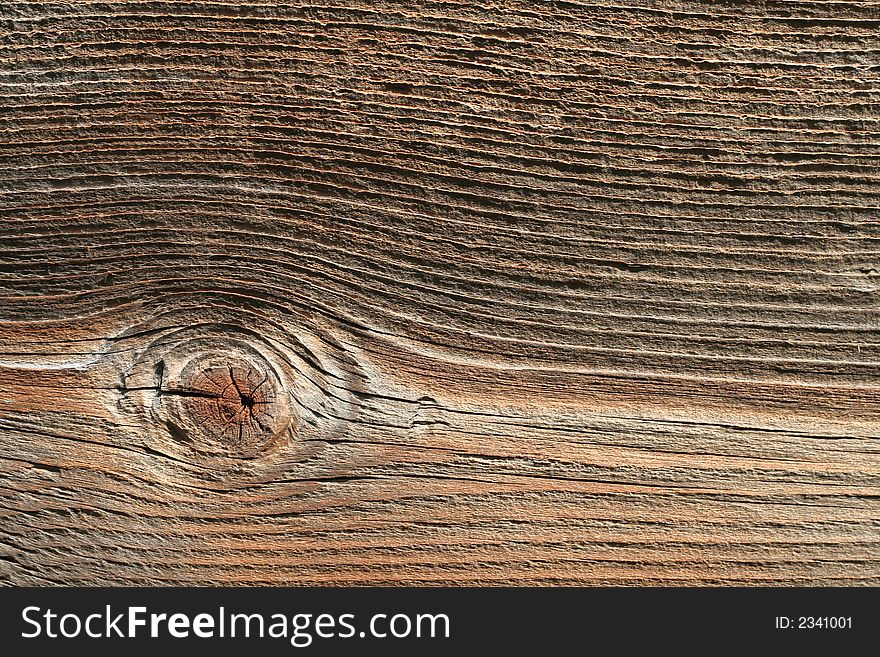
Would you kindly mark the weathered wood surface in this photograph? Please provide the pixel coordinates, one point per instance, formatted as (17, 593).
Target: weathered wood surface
(440, 292)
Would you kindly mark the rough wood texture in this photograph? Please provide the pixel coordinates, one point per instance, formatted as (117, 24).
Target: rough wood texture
(440, 292)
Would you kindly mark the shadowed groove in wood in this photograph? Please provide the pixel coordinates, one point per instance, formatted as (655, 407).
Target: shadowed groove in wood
(550, 292)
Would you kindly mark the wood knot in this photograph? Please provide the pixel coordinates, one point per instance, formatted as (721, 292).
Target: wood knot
(233, 400)
(216, 393)
(230, 404)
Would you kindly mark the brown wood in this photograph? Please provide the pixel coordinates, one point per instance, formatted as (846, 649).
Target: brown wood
(440, 292)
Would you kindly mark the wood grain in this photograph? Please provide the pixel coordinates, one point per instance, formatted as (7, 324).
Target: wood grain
(537, 292)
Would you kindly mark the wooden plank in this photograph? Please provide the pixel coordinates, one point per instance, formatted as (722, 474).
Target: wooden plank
(440, 292)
